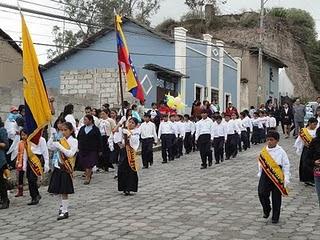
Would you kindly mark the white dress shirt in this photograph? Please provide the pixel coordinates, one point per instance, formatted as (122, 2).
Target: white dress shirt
(281, 158)
(240, 125)
(272, 123)
(204, 126)
(148, 130)
(299, 143)
(70, 118)
(256, 122)
(181, 129)
(105, 127)
(55, 145)
(219, 130)
(232, 127)
(190, 127)
(247, 123)
(40, 149)
(167, 128)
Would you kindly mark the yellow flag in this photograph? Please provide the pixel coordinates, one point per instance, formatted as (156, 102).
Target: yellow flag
(38, 112)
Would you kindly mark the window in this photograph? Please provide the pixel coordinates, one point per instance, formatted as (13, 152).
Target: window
(198, 93)
(214, 95)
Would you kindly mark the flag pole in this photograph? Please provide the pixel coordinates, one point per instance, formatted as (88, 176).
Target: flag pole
(119, 67)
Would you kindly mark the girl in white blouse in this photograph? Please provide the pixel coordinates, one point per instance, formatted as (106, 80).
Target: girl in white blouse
(63, 160)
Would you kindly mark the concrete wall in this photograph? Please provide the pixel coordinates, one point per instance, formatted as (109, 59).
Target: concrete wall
(10, 64)
(286, 87)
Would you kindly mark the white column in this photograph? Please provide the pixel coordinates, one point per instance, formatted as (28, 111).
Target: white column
(208, 39)
(220, 45)
(239, 62)
(180, 38)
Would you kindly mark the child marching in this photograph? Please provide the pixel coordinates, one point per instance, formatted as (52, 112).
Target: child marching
(302, 148)
(220, 136)
(61, 182)
(274, 174)
(204, 138)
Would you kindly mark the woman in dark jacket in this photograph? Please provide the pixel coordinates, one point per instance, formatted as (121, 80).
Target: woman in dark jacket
(90, 146)
(4, 144)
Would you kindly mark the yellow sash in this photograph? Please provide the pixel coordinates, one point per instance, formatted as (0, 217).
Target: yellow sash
(34, 161)
(272, 170)
(132, 158)
(305, 136)
(67, 162)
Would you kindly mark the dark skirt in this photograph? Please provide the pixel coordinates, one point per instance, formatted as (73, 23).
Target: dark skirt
(88, 159)
(255, 137)
(305, 168)
(60, 182)
(127, 178)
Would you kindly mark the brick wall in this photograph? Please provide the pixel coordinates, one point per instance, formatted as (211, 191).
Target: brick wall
(103, 83)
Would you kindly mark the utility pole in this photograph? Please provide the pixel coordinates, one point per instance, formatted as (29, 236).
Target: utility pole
(260, 84)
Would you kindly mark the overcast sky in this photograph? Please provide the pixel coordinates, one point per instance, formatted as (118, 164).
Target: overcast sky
(41, 29)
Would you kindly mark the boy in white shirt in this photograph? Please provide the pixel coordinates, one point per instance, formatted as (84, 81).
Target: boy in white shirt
(189, 132)
(272, 122)
(148, 138)
(181, 134)
(274, 174)
(167, 135)
(219, 137)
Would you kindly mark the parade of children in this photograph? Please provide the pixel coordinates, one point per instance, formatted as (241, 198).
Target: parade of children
(116, 141)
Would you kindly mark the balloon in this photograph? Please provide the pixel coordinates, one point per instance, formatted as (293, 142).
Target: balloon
(170, 102)
(180, 106)
(177, 100)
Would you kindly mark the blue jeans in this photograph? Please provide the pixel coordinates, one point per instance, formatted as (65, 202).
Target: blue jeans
(317, 184)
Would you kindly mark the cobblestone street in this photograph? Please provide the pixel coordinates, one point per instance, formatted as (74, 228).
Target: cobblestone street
(175, 201)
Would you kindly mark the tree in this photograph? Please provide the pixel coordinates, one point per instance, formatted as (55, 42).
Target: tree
(196, 5)
(97, 14)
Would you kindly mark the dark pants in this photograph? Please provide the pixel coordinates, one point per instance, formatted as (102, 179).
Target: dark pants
(218, 145)
(248, 137)
(105, 161)
(20, 177)
(231, 145)
(32, 180)
(204, 145)
(167, 145)
(266, 186)
(244, 139)
(179, 146)
(188, 142)
(3, 185)
(194, 145)
(146, 151)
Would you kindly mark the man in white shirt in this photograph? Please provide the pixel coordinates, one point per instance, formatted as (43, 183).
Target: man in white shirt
(167, 134)
(219, 137)
(189, 131)
(148, 138)
(204, 138)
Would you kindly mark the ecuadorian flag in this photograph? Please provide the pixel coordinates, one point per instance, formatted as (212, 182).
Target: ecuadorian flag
(124, 59)
(38, 112)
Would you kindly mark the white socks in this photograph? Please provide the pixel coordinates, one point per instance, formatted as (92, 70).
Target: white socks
(65, 204)
(60, 202)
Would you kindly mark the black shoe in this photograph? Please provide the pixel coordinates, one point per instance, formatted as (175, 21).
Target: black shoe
(309, 184)
(63, 216)
(210, 163)
(164, 162)
(151, 163)
(217, 162)
(115, 177)
(171, 159)
(275, 221)
(5, 204)
(203, 167)
(34, 201)
(144, 167)
(127, 193)
(178, 156)
(227, 158)
(266, 215)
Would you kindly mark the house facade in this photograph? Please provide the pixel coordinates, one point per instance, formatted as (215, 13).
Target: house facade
(10, 60)
(196, 68)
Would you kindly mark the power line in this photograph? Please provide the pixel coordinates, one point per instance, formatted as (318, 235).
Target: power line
(41, 5)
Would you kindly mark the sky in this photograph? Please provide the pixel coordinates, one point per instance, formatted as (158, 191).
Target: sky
(41, 29)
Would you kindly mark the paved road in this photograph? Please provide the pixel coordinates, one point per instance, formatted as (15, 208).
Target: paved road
(175, 201)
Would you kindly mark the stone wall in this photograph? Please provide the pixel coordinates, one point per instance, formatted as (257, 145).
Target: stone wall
(102, 83)
(12, 96)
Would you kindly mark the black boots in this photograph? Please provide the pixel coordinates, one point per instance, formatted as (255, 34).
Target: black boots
(5, 204)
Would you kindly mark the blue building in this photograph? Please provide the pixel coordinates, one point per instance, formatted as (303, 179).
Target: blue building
(196, 68)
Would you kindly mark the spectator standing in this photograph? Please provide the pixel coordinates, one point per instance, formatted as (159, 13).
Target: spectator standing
(286, 119)
(299, 111)
(231, 109)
